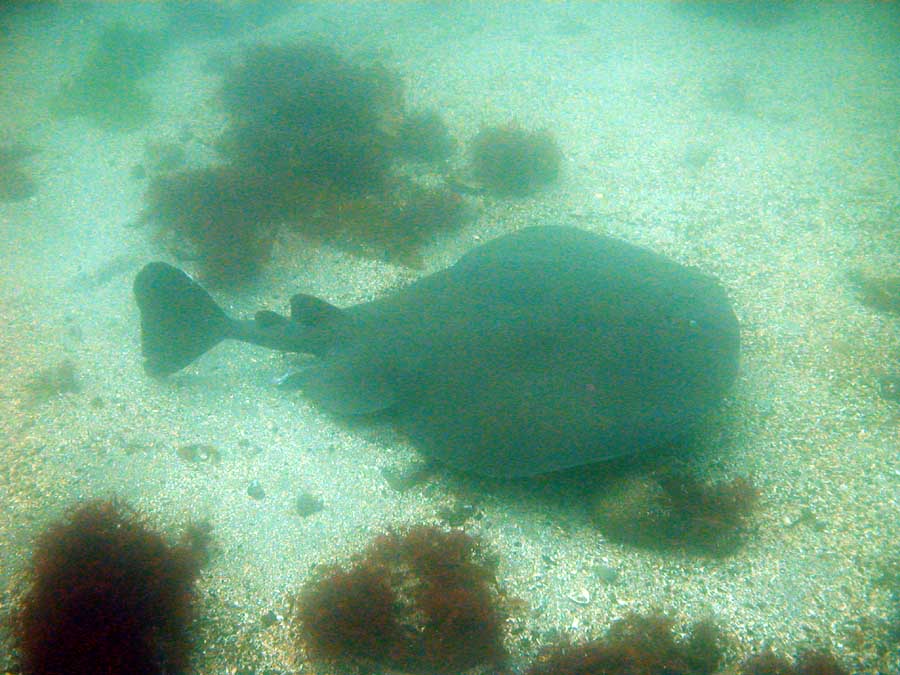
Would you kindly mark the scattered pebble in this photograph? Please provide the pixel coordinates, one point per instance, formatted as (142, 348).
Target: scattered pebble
(255, 490)
(457, 514)
(249, 449)
(889, 388)
(403, 478)
(580, 597)
(806, 517)
(696, 155)
(307, 504)
(606, 574)
(134, 447)
(199, 453)
(270, 618)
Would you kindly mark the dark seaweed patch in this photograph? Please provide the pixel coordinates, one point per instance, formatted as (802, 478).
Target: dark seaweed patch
(418, 601)
(49, 382)
(637, 645)
(107, 595)
(108, 90)
(312, 142)
(16, 184)
(674, 511)
(510, 161)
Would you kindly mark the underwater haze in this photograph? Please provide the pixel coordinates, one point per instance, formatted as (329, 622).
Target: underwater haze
(346, 151)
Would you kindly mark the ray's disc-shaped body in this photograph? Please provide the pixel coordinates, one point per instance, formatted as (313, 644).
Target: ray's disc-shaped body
(541, 350)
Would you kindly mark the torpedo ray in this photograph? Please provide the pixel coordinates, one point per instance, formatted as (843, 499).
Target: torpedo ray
(541, 350)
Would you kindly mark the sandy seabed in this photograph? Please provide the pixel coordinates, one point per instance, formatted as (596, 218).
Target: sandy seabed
(779, 198)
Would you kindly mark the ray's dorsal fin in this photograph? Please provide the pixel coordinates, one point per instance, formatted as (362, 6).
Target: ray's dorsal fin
(265, 318)
(310, 310)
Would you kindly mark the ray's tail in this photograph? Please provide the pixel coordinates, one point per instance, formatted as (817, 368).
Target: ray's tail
(179, 320)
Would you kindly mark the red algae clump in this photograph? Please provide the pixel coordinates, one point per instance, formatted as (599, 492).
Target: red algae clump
(417, 601)
(107, 595)
(809, 662)
(671, 511)
(314, 141)
(637, 645)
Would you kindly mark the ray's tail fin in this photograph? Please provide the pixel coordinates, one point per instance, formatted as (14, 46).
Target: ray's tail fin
(179, 320)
